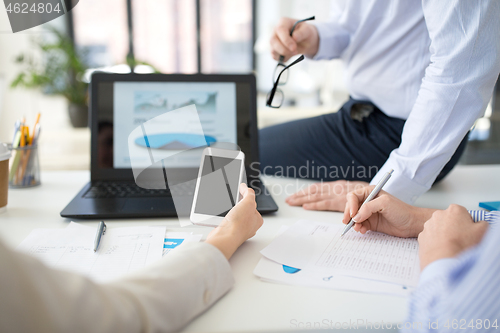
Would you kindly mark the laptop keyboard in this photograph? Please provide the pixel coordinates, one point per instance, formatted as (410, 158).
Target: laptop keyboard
(128, 189)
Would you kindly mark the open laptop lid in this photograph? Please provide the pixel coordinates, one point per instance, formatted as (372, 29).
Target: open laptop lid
(121, 102)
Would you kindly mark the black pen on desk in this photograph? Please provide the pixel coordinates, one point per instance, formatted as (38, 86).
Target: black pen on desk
(372, 195)
(101, 230)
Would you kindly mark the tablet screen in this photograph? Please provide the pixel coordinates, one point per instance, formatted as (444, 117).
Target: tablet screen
(218, 185)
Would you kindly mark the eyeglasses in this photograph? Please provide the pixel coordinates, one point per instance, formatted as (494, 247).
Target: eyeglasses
(275, 96)
(280, 76)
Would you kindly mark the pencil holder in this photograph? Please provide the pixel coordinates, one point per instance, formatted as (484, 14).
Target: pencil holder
(24, 167)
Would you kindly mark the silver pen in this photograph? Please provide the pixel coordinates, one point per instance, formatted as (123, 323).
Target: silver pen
(101, 230)
(372, 195)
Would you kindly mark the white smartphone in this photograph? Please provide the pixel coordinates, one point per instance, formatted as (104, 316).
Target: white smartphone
(217, 187)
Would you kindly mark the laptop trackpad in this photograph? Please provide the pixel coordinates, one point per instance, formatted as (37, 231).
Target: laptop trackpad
(105, 205)
(153, 205)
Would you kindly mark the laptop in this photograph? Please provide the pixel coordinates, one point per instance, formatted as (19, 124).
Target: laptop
(121, 102)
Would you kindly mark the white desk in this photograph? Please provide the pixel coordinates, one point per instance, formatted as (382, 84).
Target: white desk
(253, 305)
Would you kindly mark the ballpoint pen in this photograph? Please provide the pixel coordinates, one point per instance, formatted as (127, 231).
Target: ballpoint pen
(372, 195)
(101, 230)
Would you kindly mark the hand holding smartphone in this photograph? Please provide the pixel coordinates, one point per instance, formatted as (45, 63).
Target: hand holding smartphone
(217, 188)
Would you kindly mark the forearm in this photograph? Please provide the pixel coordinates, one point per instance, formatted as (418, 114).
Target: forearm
(420, 216)
(226, 244)
(175, 290)
(455, 91)
(461, 288)
(36, 298)
(165, 296)
(432, 287)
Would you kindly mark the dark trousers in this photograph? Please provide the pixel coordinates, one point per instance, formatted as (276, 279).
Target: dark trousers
(351, 144)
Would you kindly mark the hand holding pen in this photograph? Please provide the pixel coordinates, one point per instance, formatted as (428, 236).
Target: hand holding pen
(385, 213)
(371, 196)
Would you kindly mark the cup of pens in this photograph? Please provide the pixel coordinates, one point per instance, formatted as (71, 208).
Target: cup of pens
(24, 170)
(25, 167)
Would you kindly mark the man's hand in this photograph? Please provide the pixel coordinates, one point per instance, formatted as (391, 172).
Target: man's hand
(447, 233)
(325, 196)
(305, 39)
(384, 213)
(240, 224)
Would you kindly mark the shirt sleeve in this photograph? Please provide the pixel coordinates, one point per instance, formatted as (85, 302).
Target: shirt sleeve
(480, 215)
(462, 290)
(455, 91)
(333, 37)
(163, 297)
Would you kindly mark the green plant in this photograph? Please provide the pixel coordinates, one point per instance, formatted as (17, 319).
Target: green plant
(57, 71)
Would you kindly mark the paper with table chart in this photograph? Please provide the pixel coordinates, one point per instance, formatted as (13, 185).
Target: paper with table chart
(318, 249)
(122, 250)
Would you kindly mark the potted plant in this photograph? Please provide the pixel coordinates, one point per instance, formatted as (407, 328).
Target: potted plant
(58, 71)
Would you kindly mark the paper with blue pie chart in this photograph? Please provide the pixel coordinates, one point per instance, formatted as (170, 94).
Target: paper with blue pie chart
(290, 270)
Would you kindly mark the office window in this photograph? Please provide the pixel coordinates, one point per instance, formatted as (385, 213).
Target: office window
(164, 33)
(226, 36)
(101, 27)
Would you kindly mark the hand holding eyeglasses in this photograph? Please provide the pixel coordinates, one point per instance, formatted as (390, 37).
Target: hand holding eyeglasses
(296, 38)
(291, 38)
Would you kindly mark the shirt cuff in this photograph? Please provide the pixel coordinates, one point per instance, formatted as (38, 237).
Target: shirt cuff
(331, 43)
(477, 215)
(436, 269)
(399, 185)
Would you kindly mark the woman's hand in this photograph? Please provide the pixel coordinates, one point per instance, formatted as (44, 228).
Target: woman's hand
(384, 213)
(240, 224)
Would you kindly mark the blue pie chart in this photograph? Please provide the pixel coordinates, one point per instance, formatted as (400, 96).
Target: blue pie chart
(174, 141)
(290, 270)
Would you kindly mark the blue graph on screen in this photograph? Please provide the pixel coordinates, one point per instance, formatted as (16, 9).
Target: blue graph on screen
(175, 141)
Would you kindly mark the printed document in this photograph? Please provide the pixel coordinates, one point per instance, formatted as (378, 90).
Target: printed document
(122, 250)
(318, 248)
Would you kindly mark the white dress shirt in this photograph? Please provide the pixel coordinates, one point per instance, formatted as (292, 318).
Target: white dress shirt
(433, 63)
(161, 298)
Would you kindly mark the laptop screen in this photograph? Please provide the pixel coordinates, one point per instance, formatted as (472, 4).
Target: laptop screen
(224, 109)
(135, 103)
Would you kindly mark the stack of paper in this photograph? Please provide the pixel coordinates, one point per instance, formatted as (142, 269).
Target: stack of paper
(121, 251)
(313, 254)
